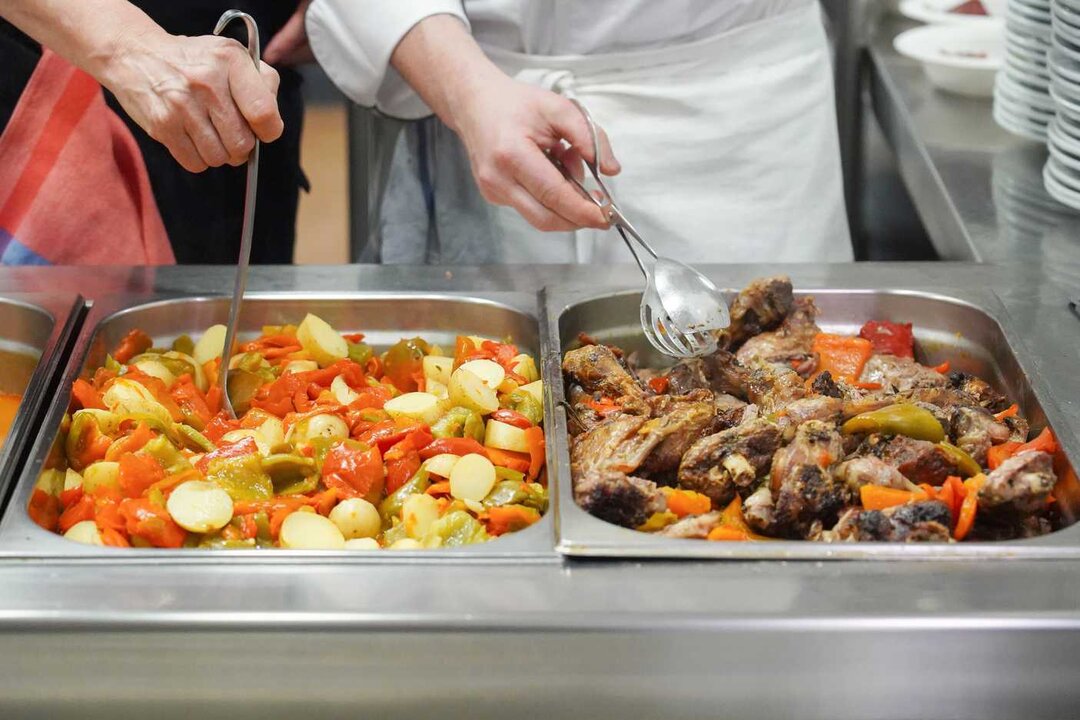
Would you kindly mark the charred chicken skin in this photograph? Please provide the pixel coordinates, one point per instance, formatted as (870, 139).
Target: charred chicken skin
(788, 432)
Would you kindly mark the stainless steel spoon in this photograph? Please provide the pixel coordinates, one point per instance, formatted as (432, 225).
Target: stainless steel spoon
(248, 227)
(681, 309)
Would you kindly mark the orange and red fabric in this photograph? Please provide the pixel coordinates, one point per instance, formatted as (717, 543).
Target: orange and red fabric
(73, 185)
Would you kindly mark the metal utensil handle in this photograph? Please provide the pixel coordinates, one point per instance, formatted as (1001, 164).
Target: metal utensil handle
(248, 227)
(608, 202)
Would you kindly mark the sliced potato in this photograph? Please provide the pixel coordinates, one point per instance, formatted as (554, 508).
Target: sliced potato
(472, 477)
(536, 389)
(418, 513)
(104, 473)
(341, 390)
(421, 406)
(489, 371)
(324, 425)
(525, 366)
(356, 518)
(469, 391)
(438, 368)
(85, 532)
(310, 531)
(364, 543)
(200, 506)
(437, 389)
(272, 431)
(441, 465)
(299, 366)
(505, 437)
(127, 397)
(210, 344)
(153, 368)
(237, 435)
(323, 342)
(72, 479)
(406, 544)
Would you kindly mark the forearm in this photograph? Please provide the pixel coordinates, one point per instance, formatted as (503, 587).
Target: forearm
(88, 33)
(442, 62)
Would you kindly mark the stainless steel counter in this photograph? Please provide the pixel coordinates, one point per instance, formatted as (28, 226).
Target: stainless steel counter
(977, 188)
(549, 637)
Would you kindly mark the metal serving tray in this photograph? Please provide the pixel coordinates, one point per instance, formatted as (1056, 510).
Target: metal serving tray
(971, 329)
(384, 318)
(41, 325)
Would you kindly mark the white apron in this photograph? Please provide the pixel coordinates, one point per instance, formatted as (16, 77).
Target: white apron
(728, 147)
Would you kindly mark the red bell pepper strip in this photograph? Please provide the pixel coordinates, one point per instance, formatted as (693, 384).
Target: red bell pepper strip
(130, 444)
(659, 384)
(889, 338)
(44, 509)
(1008, 412)
(998, 454)
(969, 507)
(86, 396)
(518, 462)
(354, 470)
(453, 446)
(512, 417)
(509, 518)
(844, 357)
(134, 343)
(534, 436)
(80, 511)
(152, 523)
(138, 473)
(246, 446)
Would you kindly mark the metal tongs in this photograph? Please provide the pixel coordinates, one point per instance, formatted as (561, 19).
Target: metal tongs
(681, 310)
(248, 228)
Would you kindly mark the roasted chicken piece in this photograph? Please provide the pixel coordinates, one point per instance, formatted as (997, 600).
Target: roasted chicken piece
(917, 460)
(1020, 484)
(978, 390)
(927, 521)
(598, 371)
(694, 526)
(617, 497)
(760, 306)
(790, 343)
(869, 470)
(729, 461)
(900, 373)
(974, 430)
(806, 496)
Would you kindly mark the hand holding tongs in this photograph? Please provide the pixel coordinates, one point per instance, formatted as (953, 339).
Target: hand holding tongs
(680, 309)
(248, 227)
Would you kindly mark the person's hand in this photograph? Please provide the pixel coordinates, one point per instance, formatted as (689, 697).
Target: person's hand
(506, 127)
(290, 45)
(201, 97)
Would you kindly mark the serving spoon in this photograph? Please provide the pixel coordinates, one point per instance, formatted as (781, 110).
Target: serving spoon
(681, 309)
(248, 227)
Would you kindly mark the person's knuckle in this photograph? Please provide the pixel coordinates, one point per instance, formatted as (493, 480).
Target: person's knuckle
(504, 157)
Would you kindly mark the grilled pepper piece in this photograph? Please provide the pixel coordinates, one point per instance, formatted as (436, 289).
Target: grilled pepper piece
(901, 419)
(964, 462)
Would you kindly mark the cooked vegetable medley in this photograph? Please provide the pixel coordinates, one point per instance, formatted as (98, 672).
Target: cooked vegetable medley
(790, 432)
(336, 447)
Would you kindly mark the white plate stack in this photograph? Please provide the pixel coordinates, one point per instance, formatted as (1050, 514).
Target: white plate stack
(1062, 172)
(1022, 103)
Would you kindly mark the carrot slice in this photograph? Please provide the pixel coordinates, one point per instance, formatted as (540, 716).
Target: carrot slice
(875, 497)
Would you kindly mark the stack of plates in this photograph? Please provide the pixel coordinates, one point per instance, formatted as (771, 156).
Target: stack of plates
(1062, 172)
(1022, 102)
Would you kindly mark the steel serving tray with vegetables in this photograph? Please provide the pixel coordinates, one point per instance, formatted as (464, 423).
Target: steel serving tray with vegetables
(858, 436)
(433, 442)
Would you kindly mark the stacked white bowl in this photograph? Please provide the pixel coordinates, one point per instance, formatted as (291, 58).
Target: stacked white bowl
(1022, 102)
(1062, 172)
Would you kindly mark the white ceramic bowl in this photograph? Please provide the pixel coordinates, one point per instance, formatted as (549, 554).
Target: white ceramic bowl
(959, 58)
